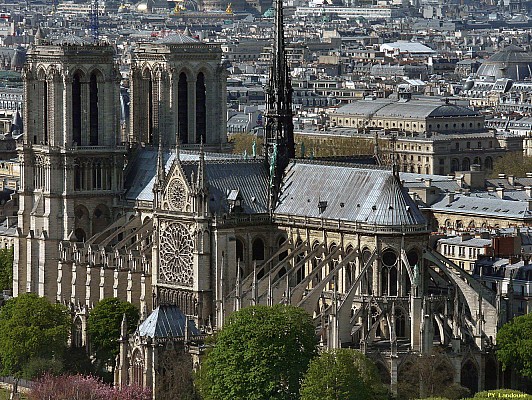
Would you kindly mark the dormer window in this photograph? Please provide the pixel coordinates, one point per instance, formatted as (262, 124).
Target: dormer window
(234, 198)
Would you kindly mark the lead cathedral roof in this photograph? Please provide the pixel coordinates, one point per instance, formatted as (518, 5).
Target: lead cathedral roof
(353, 193)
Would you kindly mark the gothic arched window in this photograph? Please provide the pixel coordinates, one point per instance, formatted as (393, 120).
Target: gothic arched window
(182, 108)
(258, 249)
(93, 110)
(76, 108)
(138, 369)
(201, 108)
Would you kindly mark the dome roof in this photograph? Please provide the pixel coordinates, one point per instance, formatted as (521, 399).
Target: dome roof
(512, 62)
(452, 110)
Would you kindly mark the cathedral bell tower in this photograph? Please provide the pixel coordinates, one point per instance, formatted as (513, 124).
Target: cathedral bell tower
(279, 131)
(71, 159)
(177, 86)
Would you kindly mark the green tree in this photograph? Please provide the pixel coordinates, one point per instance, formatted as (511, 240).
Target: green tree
(514, 345)
(513, 163)
(345, 374)
(6, 268)
(260, 353)
(104, 324)
(429, 376)
(244, 142)
(31, 328)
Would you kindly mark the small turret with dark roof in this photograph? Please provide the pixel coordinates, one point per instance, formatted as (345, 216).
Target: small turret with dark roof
(39, 36)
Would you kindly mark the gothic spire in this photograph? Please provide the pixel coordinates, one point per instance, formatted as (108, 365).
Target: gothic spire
(279, 143)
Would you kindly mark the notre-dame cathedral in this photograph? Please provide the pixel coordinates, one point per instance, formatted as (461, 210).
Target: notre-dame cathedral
(154, 211)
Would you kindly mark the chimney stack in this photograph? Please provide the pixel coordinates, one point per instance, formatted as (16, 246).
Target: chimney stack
(450, 197)
(500, 193)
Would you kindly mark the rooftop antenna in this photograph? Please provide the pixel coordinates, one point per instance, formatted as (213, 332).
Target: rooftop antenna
(94, 23)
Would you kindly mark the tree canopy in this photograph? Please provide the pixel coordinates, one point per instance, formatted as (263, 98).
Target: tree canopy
(429, 375)
(513, 163)
(514, 345)
(31, 328)
(260, 353)
(6, 268)
(342, 374)
(104, 323)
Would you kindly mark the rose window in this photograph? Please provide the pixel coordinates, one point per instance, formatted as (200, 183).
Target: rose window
(176, 195)
(175, 251)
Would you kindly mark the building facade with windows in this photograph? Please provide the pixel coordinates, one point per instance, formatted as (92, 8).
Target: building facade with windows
(160, 219)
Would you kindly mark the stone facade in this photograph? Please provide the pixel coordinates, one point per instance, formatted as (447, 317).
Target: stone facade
(199, 230)
(175, 84)
(71, 159)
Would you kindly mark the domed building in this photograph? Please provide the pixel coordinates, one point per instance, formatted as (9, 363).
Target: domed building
(512, 62)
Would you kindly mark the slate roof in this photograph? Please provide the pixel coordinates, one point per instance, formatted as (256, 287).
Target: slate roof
(166, 321)
(353, 193)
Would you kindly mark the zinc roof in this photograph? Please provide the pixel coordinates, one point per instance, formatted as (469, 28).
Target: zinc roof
(472, 204)
(414, 108)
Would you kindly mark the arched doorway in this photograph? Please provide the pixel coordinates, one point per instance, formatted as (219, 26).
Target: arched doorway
(490, 380)
(469, 376)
